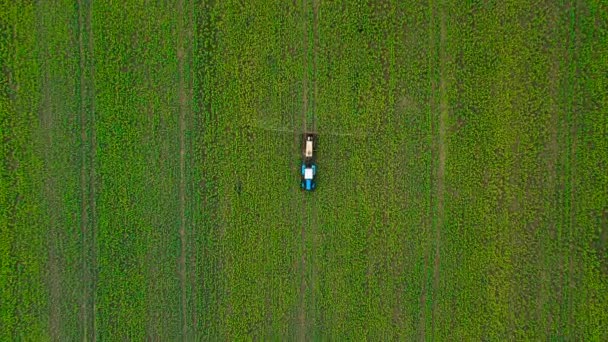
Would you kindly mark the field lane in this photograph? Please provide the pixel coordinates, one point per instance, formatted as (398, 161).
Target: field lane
(93, 182)
(302, 319)
(439, 111)
(87, 171)
(184, 33)
(309, 223)
(314, 216)
(48, 123)
(443, 118)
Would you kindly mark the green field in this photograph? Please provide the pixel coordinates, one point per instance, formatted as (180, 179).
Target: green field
(150, 155)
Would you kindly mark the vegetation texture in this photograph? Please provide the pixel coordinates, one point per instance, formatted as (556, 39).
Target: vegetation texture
(150, 154)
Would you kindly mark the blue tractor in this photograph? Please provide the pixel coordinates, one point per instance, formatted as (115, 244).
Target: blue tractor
(309, 168)
(309, 172)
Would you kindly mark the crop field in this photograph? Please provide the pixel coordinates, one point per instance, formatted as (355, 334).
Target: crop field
(150, 159)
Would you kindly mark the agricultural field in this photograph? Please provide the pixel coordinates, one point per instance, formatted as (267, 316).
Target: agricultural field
(150, 170)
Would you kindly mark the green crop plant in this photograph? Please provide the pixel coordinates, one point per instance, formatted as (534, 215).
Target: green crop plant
(150, 170)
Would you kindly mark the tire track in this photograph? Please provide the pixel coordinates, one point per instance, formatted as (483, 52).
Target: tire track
(438, 127)
(93, 177)
(183, 109)
(549, 293)
(314, 215)
(429, 222)
(571, 148)
(189, 144)
(315, 45)
(302, 324)
(443, 118)
(88, 218)
(46, 113)
(84, 314)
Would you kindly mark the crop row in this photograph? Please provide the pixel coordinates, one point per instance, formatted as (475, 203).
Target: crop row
(22, 245)
(513, 232)
(463, 197)
(249, 80)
